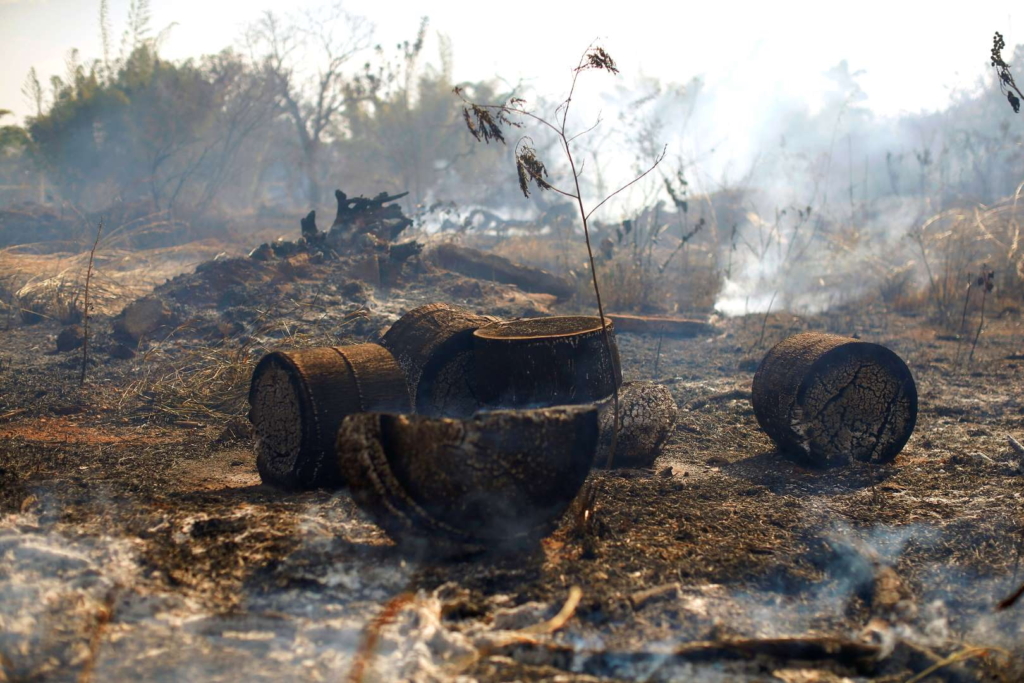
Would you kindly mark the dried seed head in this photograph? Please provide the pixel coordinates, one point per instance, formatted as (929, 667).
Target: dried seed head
(1006, 82)
(530, 168)
(597, 58)
(485, 121)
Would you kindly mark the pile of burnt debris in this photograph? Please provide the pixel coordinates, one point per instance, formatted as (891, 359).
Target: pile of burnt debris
(363, 252)
(371, 226)
(467, 430)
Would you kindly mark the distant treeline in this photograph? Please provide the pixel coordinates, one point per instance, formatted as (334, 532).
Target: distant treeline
(305, 103)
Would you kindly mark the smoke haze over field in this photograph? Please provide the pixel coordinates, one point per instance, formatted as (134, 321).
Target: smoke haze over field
(912, 55)
(835, 131)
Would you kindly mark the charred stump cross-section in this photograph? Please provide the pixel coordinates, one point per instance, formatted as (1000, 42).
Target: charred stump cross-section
(561, 360)
(299, 398)
(828, 399)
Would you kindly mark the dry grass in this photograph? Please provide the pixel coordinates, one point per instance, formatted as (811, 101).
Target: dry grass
(689, 284)
(957, 245)
(51, 285)
(197, 381)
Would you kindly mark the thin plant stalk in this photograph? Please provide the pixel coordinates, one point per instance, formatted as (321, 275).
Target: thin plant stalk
(963, 320)
(657, 357)
(981, 323)
(85, 305)
(484, 123)
(764, 323)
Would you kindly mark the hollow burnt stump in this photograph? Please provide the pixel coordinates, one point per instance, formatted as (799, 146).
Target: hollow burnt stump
(498, 479)
(299, 398)
(433, 345)
(559, 360)
(828, 399)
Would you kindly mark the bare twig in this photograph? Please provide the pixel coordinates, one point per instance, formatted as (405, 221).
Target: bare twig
(963, 319)
(372, 635)
(1011, 600)
(966, 653)
(559, 620)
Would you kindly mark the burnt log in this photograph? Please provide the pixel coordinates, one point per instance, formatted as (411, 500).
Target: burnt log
(647, 416)
(298, 398)
(433, 345)
(667, 326)
(498, 480)
(559, 360)
(829, 400)
(483, 266)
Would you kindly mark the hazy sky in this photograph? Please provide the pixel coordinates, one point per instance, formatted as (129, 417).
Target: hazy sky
(912, 53)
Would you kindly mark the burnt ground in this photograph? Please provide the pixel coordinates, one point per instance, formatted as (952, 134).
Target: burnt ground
(137, 542)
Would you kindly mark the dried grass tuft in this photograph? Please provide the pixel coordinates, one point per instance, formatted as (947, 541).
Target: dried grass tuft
(200, 381)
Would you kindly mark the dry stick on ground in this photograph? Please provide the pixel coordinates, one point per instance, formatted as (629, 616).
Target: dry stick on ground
(967, 653)
(85, 306)
(484, 123)
(1011, 600)
(366, 649)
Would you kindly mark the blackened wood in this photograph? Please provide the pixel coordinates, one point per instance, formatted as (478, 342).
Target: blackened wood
(433, 346)
(829, 400)
(647, 417)
(559, 360)
(298, 399)
(499, 479)
(361, 215)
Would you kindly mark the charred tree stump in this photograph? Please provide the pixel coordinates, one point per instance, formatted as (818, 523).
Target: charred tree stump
(433, 344)
(298, 399)
(829, 400)
(481, 265)
(560, 360)
(647, 416)
(500, 479)
(361, 215)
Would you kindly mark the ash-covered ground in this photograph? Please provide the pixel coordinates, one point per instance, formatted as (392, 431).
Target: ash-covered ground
(136, 541)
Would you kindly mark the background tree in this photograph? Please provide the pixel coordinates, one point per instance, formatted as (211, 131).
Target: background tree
(312, 100)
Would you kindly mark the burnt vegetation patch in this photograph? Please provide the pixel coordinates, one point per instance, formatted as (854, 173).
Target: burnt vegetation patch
(640, 431)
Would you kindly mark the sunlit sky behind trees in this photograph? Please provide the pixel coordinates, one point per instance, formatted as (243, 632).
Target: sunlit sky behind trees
(872, 114)
(912, 54)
